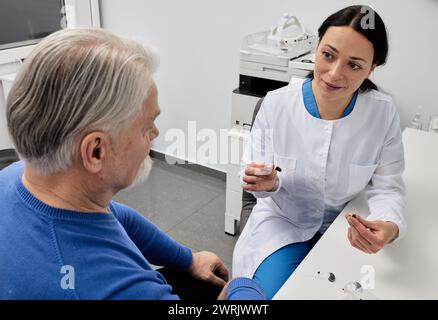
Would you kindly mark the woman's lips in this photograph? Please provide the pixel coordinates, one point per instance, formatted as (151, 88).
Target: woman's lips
(330, 86)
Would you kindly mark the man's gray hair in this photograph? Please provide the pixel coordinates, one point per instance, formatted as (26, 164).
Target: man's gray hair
(73, 82)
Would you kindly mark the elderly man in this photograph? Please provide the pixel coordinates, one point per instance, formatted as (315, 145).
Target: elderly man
(81, 115)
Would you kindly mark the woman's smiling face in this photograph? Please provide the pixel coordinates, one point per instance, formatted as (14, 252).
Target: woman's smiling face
(344, 59)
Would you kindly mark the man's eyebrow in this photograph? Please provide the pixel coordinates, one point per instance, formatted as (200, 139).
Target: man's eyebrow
(157, 114)
(353, 58)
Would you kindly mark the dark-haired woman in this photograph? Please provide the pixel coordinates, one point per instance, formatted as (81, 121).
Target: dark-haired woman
(333, 135)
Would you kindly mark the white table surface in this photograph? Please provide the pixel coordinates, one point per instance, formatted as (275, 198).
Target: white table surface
(405, 269)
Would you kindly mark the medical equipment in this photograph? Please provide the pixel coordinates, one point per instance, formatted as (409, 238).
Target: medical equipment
(327, 276)
(416, 120)
(271, 54)
(433, 123)
(352, 287)
(268, 60)
(28, 22)
(355, 291)
(24, 23)
(276, 55)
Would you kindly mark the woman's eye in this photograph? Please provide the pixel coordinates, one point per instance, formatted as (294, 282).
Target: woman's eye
(327, 55)
(355, 66)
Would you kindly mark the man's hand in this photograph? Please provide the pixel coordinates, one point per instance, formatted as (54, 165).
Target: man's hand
(223, 294)
(208, 267)
(255, 181)
(370, 236)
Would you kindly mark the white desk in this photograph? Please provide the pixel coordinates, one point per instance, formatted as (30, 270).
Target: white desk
(406, 269)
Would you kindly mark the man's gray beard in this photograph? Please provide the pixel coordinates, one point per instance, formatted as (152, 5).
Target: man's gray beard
(142, 174)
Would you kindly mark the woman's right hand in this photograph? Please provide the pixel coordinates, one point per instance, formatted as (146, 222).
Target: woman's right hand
(257, 182)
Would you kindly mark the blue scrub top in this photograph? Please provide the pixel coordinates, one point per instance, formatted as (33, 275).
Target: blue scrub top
(310, 102)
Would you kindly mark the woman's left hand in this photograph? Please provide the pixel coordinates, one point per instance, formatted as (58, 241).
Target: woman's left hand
(370, 236)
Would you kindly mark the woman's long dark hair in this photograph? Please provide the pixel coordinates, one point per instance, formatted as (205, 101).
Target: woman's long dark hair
(353, 16)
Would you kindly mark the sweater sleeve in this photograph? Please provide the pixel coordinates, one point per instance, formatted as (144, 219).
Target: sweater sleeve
(156, 246)
(244, 289)
(148, 285)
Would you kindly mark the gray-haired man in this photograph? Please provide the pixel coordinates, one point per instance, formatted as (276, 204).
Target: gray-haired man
(81, 115)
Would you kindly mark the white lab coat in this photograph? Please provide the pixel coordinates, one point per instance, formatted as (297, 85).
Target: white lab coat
(325, 164)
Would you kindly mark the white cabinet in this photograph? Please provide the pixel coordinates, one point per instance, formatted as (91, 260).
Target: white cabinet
(242, 111)
(244, 100)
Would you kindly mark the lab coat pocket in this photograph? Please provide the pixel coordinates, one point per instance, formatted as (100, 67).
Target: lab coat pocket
(287, 174)
(360, 176)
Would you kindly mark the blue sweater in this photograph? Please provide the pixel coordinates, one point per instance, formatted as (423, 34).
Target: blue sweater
(50, 253)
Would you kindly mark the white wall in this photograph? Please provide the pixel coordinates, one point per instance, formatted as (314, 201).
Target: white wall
(199, 43)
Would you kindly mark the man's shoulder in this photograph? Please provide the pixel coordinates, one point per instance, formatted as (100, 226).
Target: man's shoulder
(11, 171)
(118, 208)
(9, 175)
(124, 213)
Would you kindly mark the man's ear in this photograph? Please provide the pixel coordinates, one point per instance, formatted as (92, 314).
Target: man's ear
(94, 150)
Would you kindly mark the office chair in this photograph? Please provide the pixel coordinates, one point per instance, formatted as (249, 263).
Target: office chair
(7, 157)
(248, 200)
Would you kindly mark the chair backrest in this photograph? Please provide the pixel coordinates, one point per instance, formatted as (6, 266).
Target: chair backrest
(248, 200)
(256, 109)
(7, 157)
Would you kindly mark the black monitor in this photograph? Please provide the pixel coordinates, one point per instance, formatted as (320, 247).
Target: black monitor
(25, 22)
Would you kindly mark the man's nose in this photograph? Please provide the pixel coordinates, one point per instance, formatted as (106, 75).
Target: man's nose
(155, 133)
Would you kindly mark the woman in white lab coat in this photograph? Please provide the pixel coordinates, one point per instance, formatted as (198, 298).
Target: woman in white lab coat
(333, 136)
